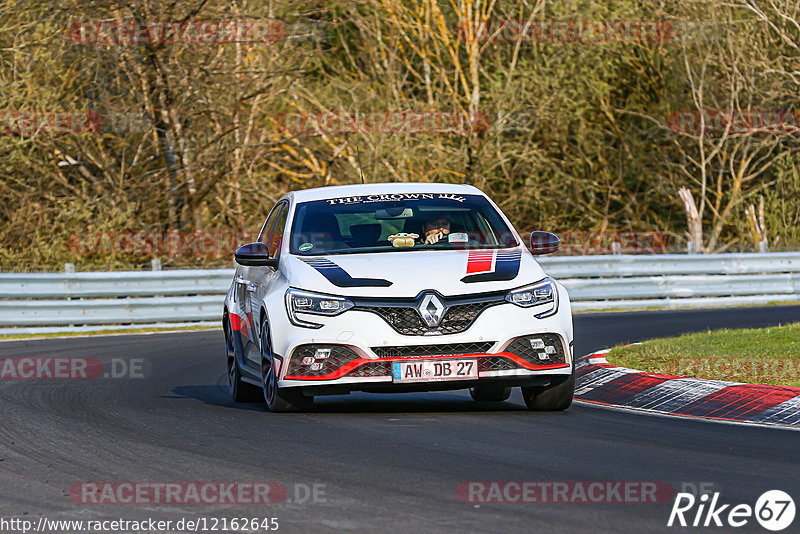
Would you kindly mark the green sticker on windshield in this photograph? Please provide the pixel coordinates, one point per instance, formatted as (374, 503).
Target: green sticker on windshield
(305, 246)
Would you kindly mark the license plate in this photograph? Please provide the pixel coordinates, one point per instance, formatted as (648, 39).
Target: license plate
(434, 370)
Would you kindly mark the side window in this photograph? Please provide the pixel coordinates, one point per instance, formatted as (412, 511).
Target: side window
(276, 234)
(262, 235)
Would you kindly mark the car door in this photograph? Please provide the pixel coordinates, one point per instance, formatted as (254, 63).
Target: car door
(245, 291)
(262, 278)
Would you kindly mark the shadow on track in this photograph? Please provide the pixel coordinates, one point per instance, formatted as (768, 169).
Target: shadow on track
(363, 403)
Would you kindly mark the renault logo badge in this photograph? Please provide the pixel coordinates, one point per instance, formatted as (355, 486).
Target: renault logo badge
(431, 310)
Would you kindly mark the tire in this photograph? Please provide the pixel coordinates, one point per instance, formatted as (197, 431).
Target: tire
(240, 390)
(553, 398)
(490, 393)
(278, 399)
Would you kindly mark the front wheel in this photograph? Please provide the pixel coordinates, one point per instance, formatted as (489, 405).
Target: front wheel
(278, 399)
(555, 397)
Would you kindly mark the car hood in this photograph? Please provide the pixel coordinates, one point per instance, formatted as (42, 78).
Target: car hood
(406, 274)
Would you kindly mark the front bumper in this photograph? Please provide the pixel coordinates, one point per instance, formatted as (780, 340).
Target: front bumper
(363, 346)
(340, 364)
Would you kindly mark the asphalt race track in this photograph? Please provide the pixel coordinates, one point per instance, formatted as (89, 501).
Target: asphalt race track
(387, 463)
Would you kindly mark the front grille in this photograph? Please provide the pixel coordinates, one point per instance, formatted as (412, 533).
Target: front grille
(404, 320)
(402, 315)
(372, 369)
(410, 351)
(339, 355)
(524, 348)
(496, 363)
(460, 316)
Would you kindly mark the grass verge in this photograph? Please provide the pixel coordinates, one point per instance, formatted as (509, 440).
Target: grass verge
(752, 355)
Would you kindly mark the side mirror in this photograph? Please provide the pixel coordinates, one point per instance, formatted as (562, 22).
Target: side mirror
(544, 243)
(255, 255)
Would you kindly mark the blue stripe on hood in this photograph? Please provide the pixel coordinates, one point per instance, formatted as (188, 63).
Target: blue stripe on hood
(339, 277)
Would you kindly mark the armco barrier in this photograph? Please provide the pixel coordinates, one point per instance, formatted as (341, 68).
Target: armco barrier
(76, 301)
(676, 280)
(58, 302)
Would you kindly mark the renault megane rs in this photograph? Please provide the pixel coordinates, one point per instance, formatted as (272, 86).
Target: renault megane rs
(395, 288)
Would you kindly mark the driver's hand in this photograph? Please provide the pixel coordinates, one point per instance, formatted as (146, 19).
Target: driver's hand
(433, 236)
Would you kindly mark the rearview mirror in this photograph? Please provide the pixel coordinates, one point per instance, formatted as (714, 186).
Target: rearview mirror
(255, 255)
(544, 243)
(394, 213)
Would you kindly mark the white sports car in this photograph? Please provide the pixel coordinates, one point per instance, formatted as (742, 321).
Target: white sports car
(396, 287)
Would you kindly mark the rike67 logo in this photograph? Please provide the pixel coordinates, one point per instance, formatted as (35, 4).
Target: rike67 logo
(774, 510)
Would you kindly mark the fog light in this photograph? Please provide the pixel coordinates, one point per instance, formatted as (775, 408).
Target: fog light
(537, 343)
(322, 353)
(315, 366)
(549, 349)
(544, 356)
(308, 360)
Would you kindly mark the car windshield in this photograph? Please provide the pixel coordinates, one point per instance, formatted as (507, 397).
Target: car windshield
(397, 222)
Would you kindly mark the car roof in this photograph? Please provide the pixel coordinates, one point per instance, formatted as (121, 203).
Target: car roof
(338, 191)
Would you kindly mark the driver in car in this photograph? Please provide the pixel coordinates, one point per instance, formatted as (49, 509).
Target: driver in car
(434, 230)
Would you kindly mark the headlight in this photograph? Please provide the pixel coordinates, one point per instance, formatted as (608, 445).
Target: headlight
(298, 301)
(542, 294)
